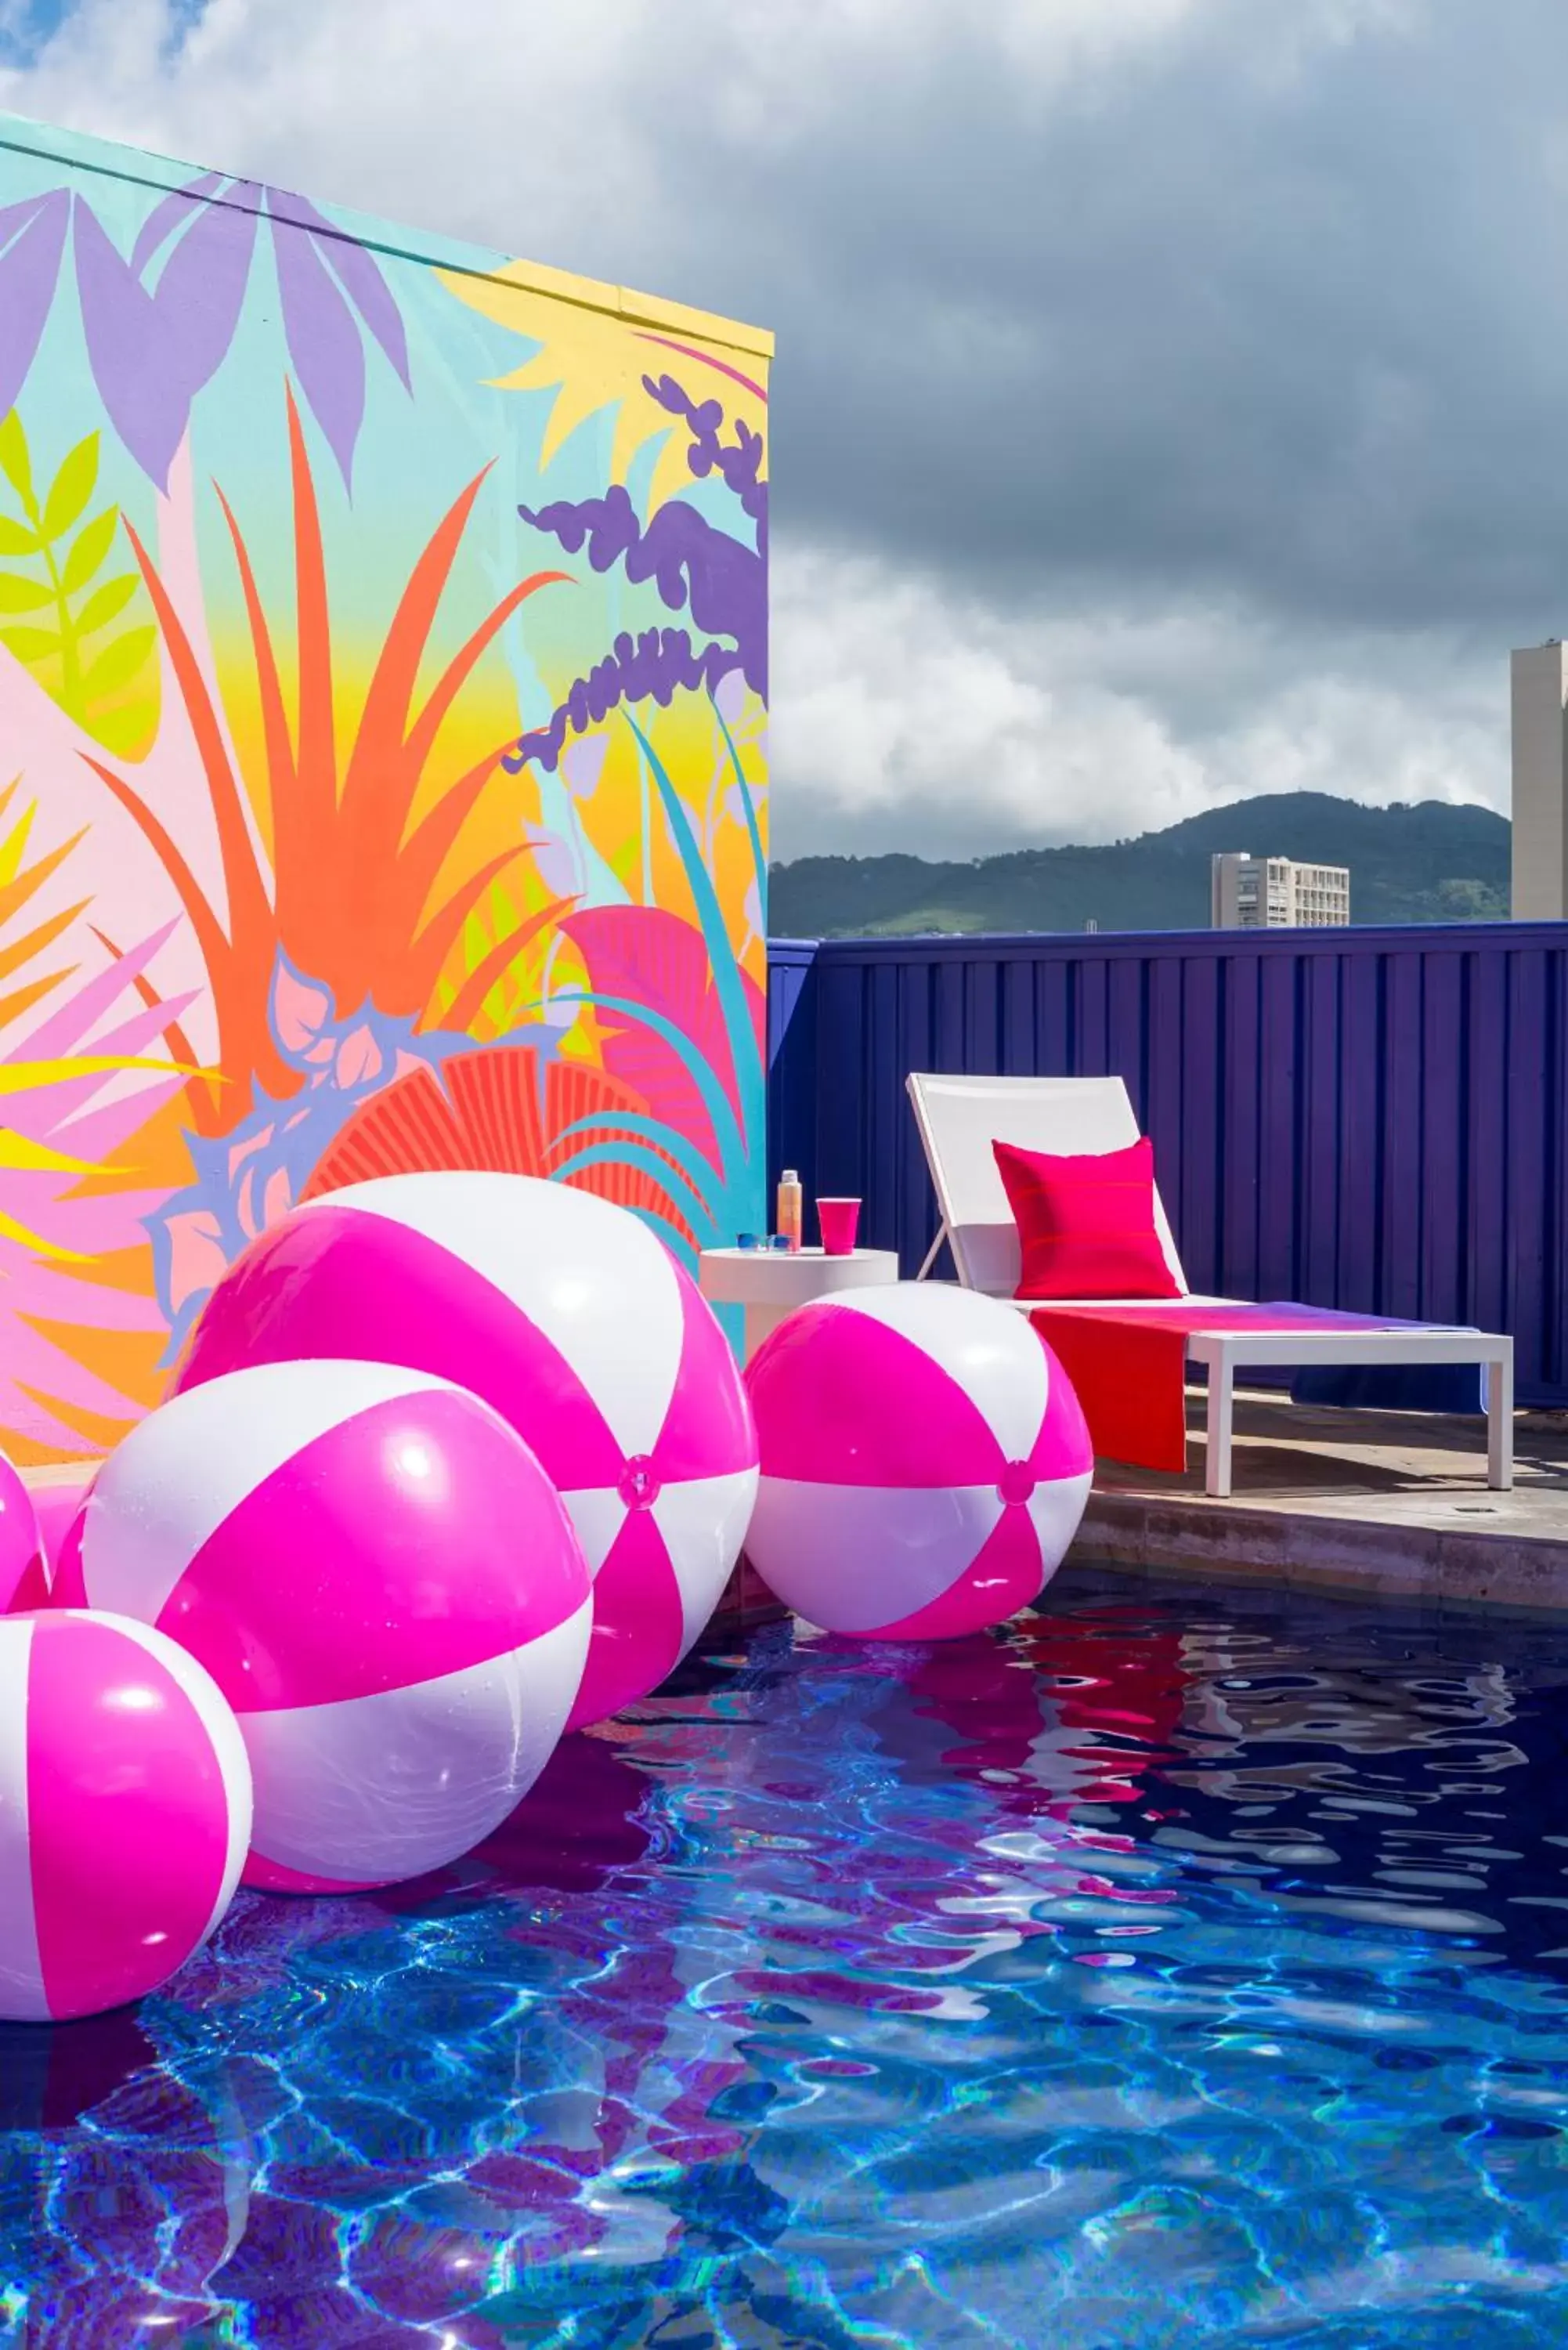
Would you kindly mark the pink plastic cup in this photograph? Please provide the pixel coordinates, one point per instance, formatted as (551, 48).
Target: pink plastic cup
(837, 1219)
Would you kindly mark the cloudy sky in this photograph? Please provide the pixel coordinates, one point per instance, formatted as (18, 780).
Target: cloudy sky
(1172, 395)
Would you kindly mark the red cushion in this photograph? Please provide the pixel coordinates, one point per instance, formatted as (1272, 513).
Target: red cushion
(1087, 1225)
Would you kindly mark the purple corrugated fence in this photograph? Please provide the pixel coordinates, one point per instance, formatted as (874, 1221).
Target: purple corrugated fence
(1375, 1119)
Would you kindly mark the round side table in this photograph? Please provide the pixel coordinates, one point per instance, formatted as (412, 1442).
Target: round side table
(771, 1283)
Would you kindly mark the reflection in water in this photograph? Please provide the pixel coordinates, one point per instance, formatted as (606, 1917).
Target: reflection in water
(1175, 1967)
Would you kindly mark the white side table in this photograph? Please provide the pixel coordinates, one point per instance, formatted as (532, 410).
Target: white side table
(771, 1283)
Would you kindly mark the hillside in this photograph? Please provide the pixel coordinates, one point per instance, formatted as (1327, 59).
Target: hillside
(1431, 863)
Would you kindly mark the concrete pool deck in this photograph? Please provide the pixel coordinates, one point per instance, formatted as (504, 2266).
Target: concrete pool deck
(1392, 1504)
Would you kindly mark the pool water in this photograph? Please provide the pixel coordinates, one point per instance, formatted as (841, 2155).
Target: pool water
(1179, 1966)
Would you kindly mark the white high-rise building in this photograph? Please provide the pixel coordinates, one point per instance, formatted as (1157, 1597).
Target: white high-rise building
(1540, 695)
(1274, 893)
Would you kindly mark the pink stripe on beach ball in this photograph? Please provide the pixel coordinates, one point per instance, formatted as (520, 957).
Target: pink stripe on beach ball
(810, 1383)
(638, 1623)
(1063, 1447)
(132, 1803)
(1003, 1577)
(708, 1431)
(335, 1281)
(67, 1588)
(340, 1568)
(23, 1576)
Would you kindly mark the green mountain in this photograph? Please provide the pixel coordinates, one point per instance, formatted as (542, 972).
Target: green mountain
(1431, 863)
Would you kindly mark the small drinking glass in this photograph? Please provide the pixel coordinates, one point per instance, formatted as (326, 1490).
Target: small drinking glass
(838, 1220)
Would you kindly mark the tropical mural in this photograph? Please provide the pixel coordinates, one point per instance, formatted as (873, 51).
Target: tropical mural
(383, 682)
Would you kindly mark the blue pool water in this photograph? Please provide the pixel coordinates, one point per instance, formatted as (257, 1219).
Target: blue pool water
(1180, 1966)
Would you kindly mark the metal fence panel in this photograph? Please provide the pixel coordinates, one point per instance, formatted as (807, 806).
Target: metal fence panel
(1373, 1119)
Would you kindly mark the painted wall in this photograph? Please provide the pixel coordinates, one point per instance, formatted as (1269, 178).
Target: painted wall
(382, 744)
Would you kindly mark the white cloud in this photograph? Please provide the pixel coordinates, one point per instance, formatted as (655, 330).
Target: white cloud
(557, 127)
(912, 717)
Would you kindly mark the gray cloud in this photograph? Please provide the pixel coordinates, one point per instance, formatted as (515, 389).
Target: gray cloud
(1210, 325)
(1170, 392)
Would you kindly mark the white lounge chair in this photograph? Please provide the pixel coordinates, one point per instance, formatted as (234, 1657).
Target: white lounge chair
(959, 1119)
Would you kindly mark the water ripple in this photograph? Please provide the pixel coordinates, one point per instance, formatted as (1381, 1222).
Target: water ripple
(1175, 1968)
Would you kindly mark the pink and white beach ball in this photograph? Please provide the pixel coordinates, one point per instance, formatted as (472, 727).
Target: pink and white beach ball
(568, 1315)
(58, 1504)
(24, 1569)
(924, 1463)
(383, 1583)
(125, 1811)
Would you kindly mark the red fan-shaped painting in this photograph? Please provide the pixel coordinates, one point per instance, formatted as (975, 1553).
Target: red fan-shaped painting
(488, 1111)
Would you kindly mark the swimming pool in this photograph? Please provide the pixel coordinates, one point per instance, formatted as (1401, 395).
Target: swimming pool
(1178, 1965)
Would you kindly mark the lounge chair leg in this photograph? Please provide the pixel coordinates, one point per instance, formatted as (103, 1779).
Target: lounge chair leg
(1222, 1398)
(1500, 1425)
(934, 1251)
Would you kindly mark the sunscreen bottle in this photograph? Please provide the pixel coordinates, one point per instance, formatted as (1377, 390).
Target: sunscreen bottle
(789, 1208)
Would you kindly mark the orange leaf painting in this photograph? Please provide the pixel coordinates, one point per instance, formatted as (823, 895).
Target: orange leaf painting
(393, 683)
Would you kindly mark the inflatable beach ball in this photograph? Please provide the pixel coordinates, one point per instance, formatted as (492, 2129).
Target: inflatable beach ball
(58, 1505)
(577, 1323)
(24, 1571)
(382, 1582)
(924, 1462)
(125, 1811)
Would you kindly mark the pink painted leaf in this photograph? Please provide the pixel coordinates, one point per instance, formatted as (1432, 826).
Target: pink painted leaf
(64, 1030)
(37, 1371)
(278, 1197)
(300, 1010)
(196, 1258)
(56, 1296)
(652, 957)
(361, 1059)
(240, 1151)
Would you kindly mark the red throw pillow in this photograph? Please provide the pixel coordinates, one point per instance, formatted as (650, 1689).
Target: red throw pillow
(1087, 1225)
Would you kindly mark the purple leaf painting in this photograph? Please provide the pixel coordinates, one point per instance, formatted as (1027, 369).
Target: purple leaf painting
(324, 344)
(136, 364)
(357, 274)
(175, 212)
(159, 326)
(29, 269)
(696, 567)
(203, 289)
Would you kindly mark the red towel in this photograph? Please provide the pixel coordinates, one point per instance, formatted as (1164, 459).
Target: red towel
(1129, 1365)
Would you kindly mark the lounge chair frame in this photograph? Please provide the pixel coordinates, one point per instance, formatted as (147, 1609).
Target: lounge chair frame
(960, 1118)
